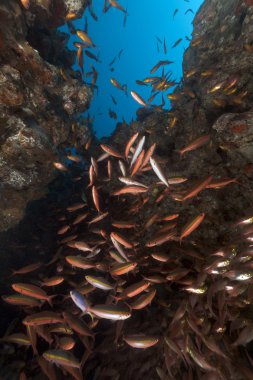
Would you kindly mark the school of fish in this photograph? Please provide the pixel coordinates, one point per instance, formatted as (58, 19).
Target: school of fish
(127, 279)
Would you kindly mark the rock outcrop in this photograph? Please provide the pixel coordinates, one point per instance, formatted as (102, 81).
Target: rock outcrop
(40, 97)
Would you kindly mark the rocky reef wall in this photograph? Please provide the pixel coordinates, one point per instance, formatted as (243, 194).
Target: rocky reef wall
(40, 98)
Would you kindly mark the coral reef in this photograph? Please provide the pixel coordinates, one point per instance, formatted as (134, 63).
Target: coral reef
(38, 102)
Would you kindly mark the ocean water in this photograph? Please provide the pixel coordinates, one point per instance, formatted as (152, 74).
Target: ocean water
(138, 44)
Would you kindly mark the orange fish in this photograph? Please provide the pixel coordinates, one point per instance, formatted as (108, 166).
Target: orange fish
(191, 226)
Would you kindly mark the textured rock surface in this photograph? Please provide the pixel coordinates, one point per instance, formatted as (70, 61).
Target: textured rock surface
(37, 104)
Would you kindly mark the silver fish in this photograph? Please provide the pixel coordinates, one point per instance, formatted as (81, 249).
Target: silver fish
(79, 300)
(138, 150)
(158, 171)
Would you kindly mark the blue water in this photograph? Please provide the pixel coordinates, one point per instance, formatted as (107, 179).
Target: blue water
(146, 20)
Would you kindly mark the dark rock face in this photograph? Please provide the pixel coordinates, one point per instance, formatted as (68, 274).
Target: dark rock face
(38, 100)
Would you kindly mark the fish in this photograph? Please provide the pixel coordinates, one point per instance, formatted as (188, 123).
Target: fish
(25, 3)
(189, 11)
(192, 225)
(177, 43)
(158, 171)
(60, 166)
(28, 268)
(99, 282)
(79, 300)
(61, 357)
(138, 150)
(120, 239)
(134, 289)
(95, 197)
(79, 262)
(112, 312)
(66, 343)
(130, 190)
(111, 151)
(42, 318)
(159, 240)
(91, 55)
(143, 300)
(130, 144)
(84, 37)
(21, 300)
(174, 13)
(19, 338)
(120, 269)
(140, 341)
(198, 188)
(116, 5)
(77, 324)
(200, 141)
(159, 64)
(130, 182)
(116, 84)
(138, 99)
(32, 291)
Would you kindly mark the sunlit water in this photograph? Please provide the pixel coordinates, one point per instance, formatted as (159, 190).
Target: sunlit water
(147, 20)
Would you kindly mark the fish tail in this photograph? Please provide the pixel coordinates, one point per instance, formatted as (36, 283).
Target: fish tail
(49, 300)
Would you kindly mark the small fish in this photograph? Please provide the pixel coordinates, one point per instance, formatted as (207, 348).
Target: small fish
(99, 282)
(143, 300)
(60, 166)
(84, 37)
(116, 5)
(177, 43)
(174, 13)
(198, 188)
(131, 182)
(42, 318)
(189, 10)
(113, 152)
(77, 324)
(200, 141)
(28, 268)
(25, 3)
(140, 341)
(79, 300)
(113, 312)
(138, 99)
(134, 289)
(130, 144)
(95, 198)
(116, 84)
(61, 357)
(79, 262)
(130, 190)
(66, 343)
(138, 150)
(191, 226)
(120, 239)
(22, 300)
(159, 64)
(158, 171)
(32, 291)
(159, 240)
(119, 269)
(19, 338)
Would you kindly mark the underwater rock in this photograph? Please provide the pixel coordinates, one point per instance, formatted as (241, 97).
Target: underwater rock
(37, 101)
